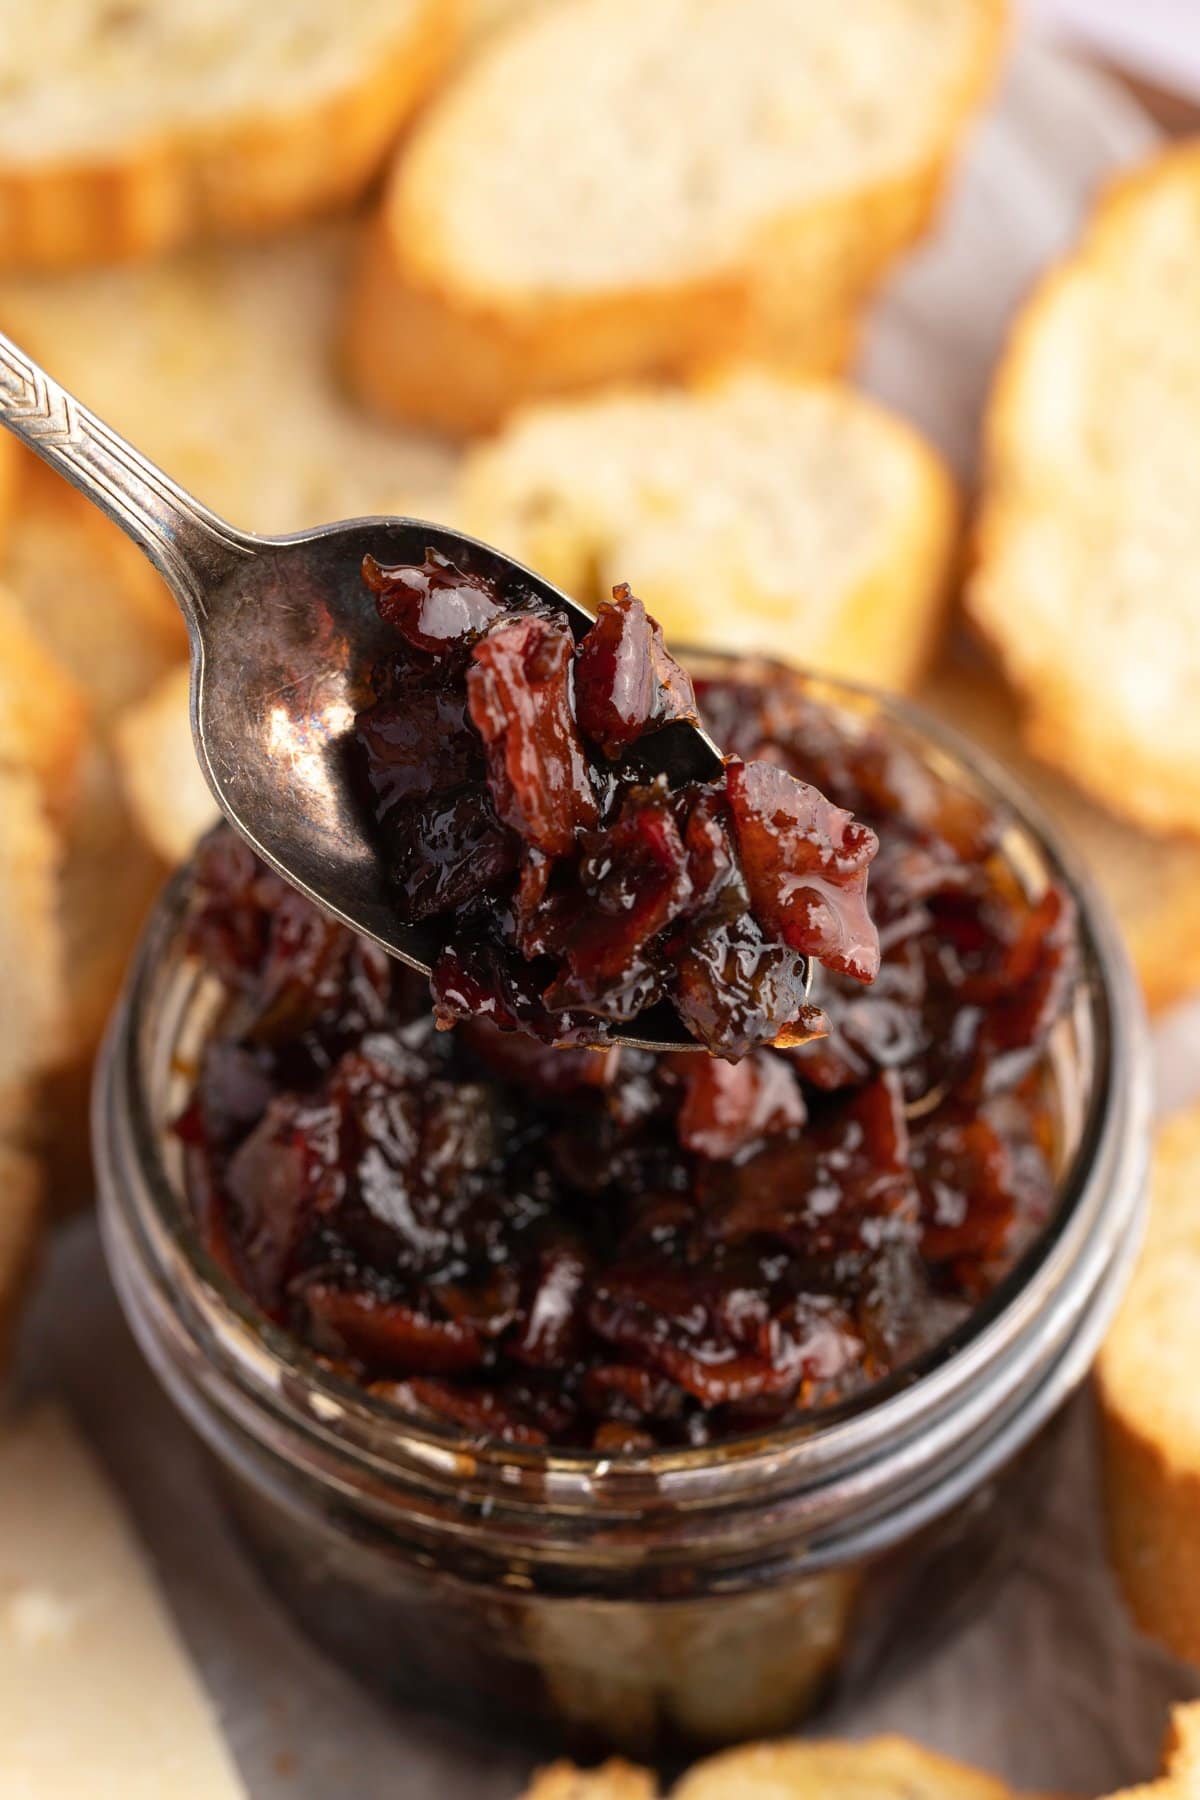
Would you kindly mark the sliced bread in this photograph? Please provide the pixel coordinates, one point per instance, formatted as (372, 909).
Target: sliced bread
(128, 128)
(758, 512)
(216, 364)
(22, 1197)
(89, 611)
(43, 712)
(86, 594)
(32, 960)
(1181, 1768)
(1088, 582)
(1152, 883)
(1150, 1408)
(479, 18)
(614, 190)
(109, 880)
(160, 776)
(886, 1768)
(8, 479)
(614, 1780)
(1181, 1772)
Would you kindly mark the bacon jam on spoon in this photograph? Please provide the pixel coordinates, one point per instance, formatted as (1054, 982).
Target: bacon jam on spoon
(613, 1250)
(505, 767)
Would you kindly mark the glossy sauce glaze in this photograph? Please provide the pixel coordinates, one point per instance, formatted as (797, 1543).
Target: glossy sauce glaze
(603, 1249)
(574, 888)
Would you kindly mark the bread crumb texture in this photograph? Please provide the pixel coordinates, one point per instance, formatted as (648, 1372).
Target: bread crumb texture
(1181, 1779)
(164, 789)
(888, 1768)
(217, 364)
(131, 126)
(1150, 1406)
(1088, 581)
(680, 182)
(758, 512)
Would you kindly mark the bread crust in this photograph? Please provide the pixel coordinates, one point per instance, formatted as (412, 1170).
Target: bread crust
(613, 1780)
(1131, 776)
(1181, 1761)
(540, 489)
(421, 344)
(238, 177)
(33, 987)
(43, 713)
(1152, 1508)
(1151, 1464)
(164, 791)
(884, 1768)
(88, 593)
(1153, 885)
(8, 481)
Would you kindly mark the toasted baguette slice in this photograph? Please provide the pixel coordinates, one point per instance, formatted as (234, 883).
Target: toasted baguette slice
(89, 597)
(1152, 883)
(479, 18)
(83, 596)
(1150, 1406)
(160, 776)
(1181, 1774)
(43, 714)
(126, 129)
(8, 481)
(1088, 581)
(217, 365)
(612, 1781)
(888, 1768)
(613, 189)
(108, 883)
(760, 512)
(32, 961)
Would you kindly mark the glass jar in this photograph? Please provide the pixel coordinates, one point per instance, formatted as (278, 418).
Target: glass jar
(643, 1600)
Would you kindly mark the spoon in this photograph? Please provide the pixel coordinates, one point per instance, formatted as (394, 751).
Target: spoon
(283, 635)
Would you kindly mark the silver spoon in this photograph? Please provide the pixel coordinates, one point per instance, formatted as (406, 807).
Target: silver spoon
(283, 635)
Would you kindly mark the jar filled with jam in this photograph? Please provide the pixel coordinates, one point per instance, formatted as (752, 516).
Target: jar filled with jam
(638, 1399)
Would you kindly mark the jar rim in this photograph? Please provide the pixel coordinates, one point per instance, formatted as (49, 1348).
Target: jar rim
(953, 1388)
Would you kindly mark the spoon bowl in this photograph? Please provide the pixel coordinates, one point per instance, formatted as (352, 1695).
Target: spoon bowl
(284, 636)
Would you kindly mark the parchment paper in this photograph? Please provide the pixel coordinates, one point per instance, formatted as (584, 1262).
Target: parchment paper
(1049, 1686)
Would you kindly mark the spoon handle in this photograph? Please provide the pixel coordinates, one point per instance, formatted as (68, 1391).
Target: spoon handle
(191, 547)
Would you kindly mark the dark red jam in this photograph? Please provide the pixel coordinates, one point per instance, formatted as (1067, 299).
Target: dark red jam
(574, 888)
(600, 1248)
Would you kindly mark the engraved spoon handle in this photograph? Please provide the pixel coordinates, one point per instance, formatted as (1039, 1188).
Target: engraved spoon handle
(190, 546)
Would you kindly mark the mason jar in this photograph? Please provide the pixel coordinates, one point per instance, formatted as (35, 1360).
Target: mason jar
(648, 1600)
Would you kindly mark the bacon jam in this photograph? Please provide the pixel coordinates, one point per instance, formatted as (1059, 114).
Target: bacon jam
(511, 775)
(605, 1249)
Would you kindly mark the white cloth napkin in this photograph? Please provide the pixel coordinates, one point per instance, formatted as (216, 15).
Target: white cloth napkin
(1159, 39)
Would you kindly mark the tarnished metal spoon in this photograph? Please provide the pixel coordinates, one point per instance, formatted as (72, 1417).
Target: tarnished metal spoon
(283, 635)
